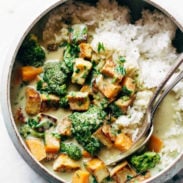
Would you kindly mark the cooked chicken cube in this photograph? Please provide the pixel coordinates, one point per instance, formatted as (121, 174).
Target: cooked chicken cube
(98, 169)
(120, 172)
(64, 127)
(78, 33)
(52, 144)
(36, 147)
(33, 101)
(129, 86)
(106, 86)
(81, 71)
(49, 100)
(64, 163)
(111, 69)
(123, 142)
(78, 101)
(85, 50)
(105, 140)
(123, 103)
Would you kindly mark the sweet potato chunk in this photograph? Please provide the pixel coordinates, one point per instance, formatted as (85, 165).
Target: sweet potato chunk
(155, 144)
(80, 176)
(52, 144)
(29, 73)
(123, 142)
(78, 101)
(36, 147)
(64, 163)
(85, 50)
(33, 101)
(97, 168)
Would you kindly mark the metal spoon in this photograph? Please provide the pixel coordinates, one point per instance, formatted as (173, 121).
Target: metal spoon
(147, 129)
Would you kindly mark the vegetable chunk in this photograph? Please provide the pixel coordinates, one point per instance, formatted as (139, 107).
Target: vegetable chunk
(97, 168)
(52, 144)
(36, 147)
(78, 101)
(123, 142)
(29, 73)
(33, 101)
(64, 163)
(81, 71)
(80, 176)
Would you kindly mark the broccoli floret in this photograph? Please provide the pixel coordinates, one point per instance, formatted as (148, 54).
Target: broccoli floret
(55, 78)
(145, 161)
(70, 53)
(64, 102)
(115, 110)
(26, 130)
(72, 150)
(31, 53)
(84, 125)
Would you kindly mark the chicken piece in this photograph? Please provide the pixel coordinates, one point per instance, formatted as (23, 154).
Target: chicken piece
(78, 33)
(36, 147)
(64, 163)
(123, 103)
(121, 172)
(52, 144)
(85, 51)
(49, 100)
(64, 127)
(98, 169)
(78, 101)
(80, 176)
(108, 131)
(33, 101)
(106, 86)
(81, 71)
(105, 140)
(129, 86)
(110, 69)
(123, 142)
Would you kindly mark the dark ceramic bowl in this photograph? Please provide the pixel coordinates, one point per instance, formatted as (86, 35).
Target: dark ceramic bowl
(136, 6)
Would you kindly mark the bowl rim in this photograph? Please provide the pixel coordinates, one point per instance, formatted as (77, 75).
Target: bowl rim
(11, 127)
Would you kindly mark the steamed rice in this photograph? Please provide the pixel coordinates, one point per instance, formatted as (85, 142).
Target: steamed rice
(147, 46)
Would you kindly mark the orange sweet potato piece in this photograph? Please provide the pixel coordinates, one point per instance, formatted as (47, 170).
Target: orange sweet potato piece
(86, 154)
(123, 142)
(36, 147)
(155, 144)
(80, 176)
(29, 73)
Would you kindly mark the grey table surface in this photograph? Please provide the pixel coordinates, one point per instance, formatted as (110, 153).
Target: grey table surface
(12, 166)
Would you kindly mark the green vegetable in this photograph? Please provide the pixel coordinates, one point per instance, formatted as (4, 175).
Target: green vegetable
(70, 53)
(115, 110)
(72, 150)
(84, 125)
(145, 161)
(122, 59)
(100, 47)
(55, 78)
(26, 130)
(125, 91)
(120, 69)
(63, 102)
(31, 53)
(78, 33)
